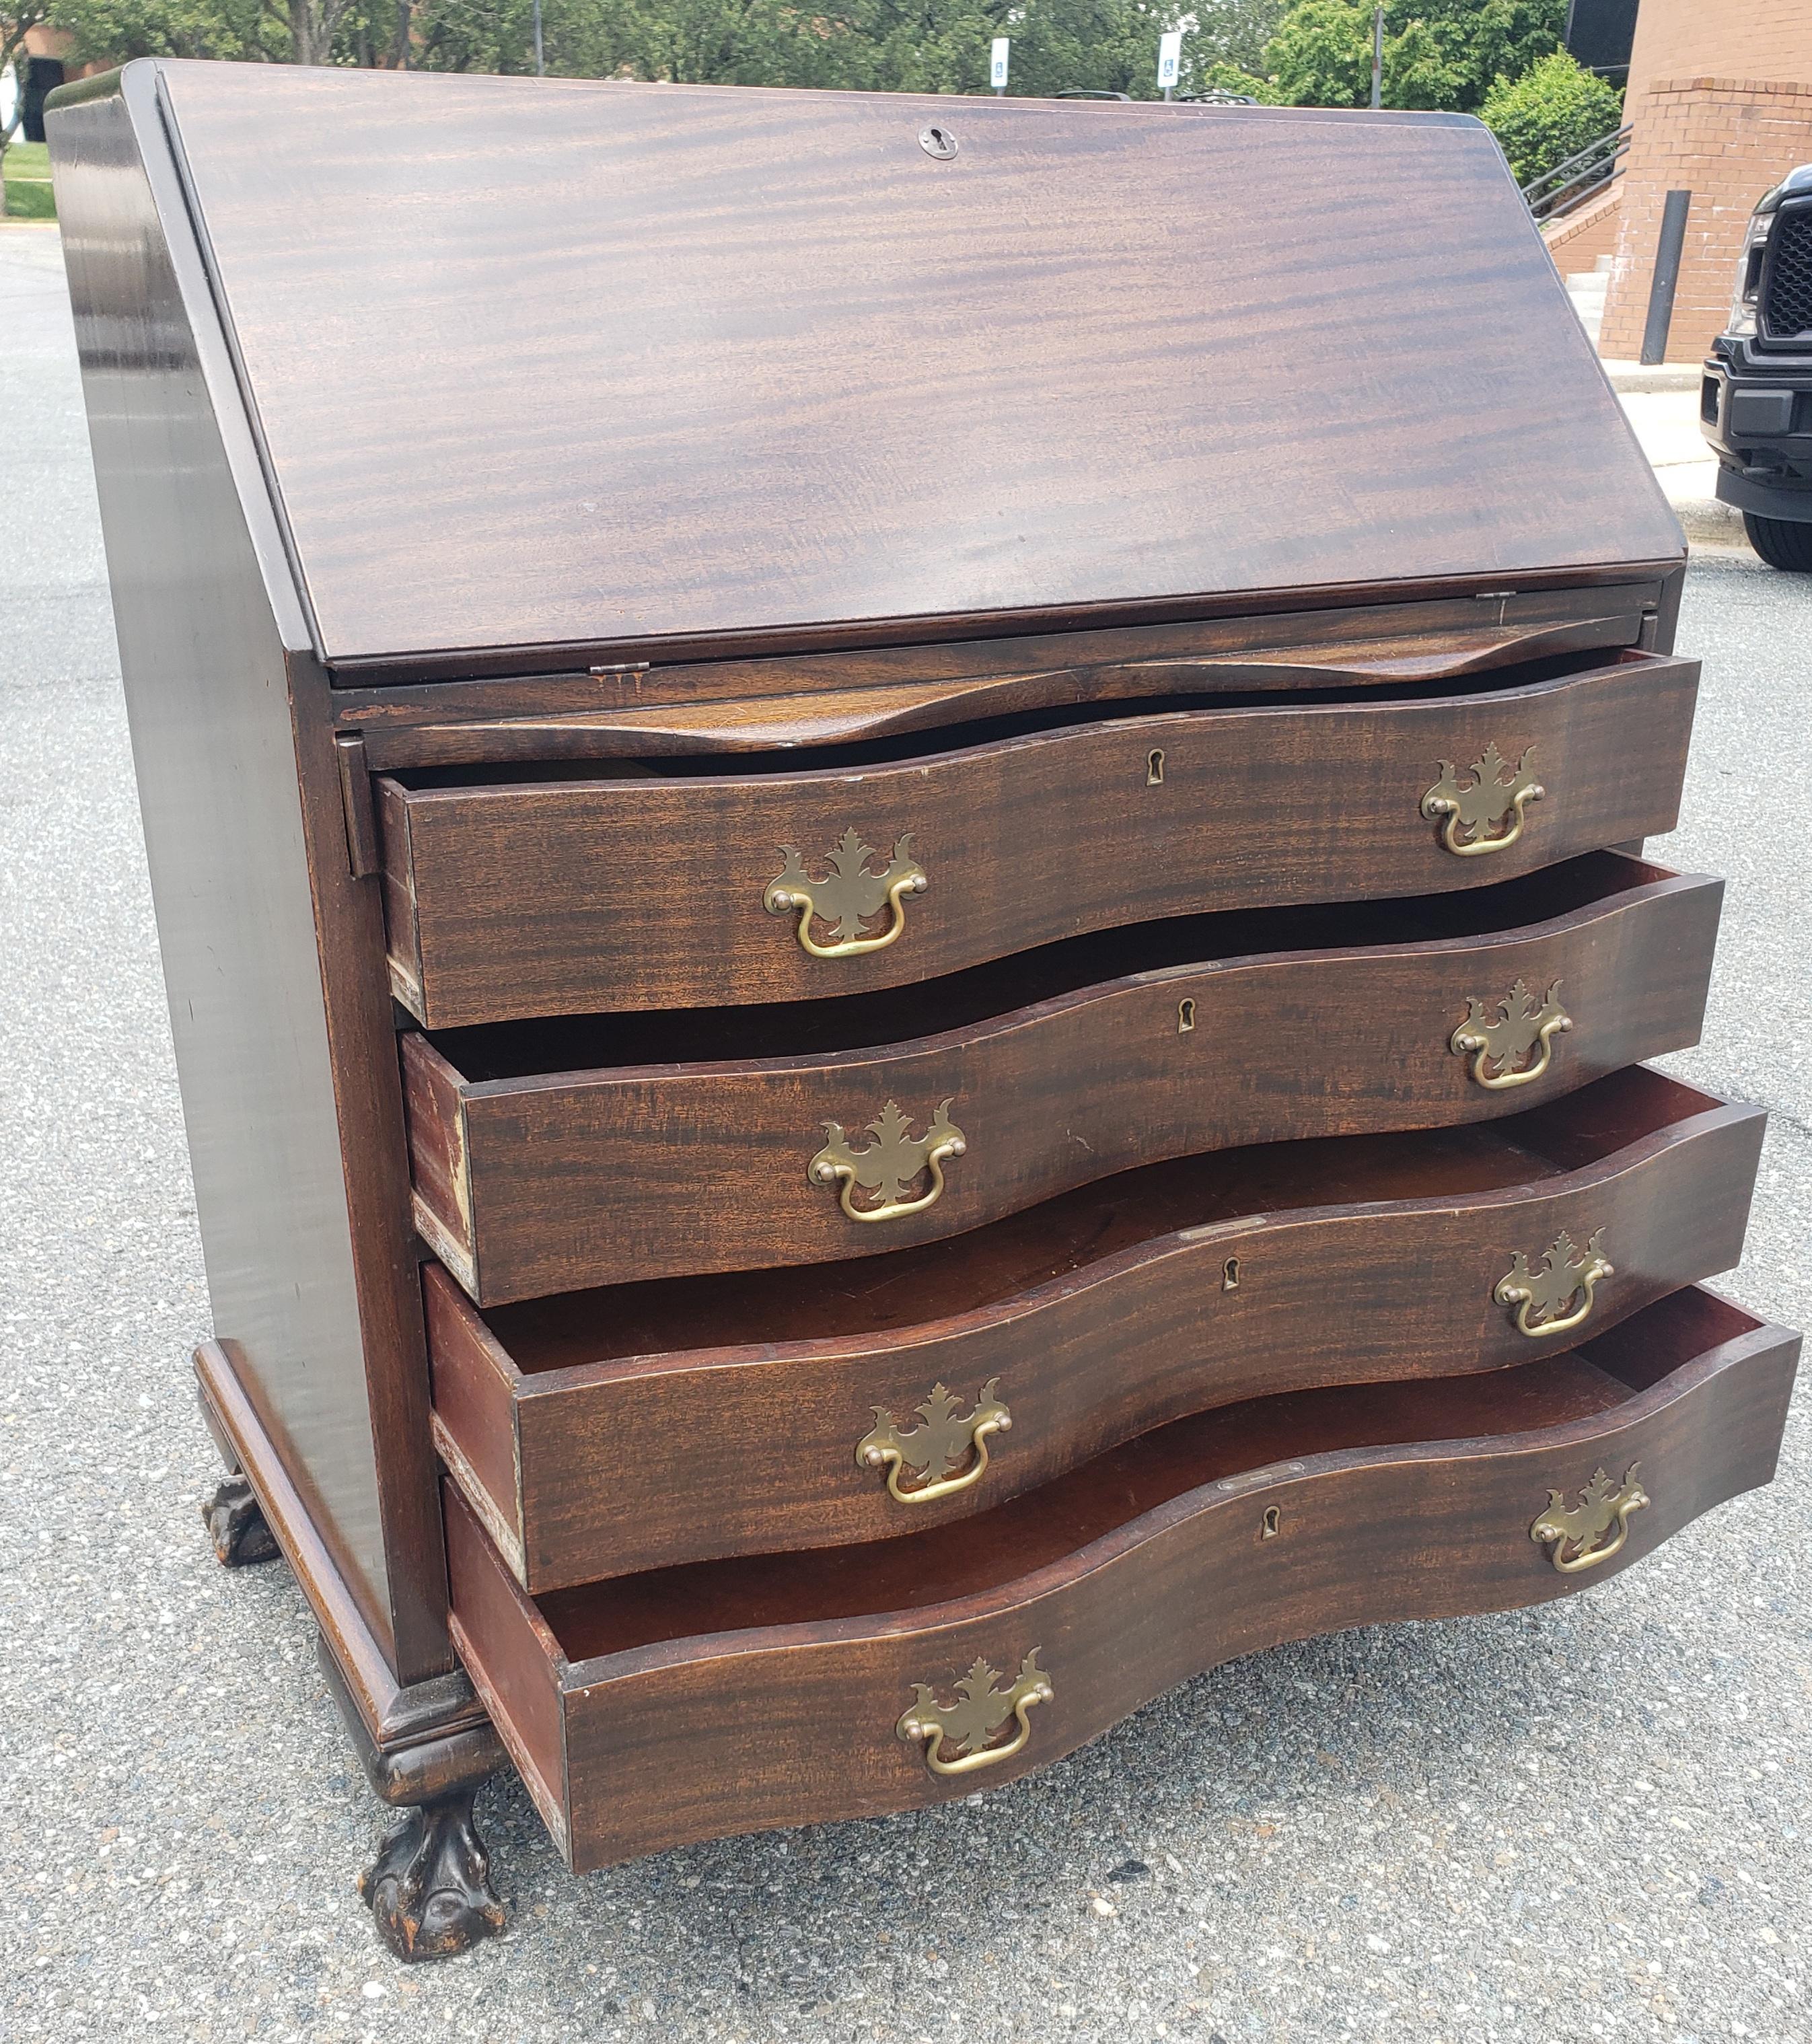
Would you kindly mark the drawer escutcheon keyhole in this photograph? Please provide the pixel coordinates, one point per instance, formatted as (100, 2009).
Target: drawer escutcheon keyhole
(1154, 767)
(1270, 1527)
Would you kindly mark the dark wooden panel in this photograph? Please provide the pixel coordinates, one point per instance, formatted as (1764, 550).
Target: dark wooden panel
(775, 370)
(859, 710)
(573, 1179)
(570, 895)
(279, 1008)
(1140, 1322)
(736, 1696)
(1601, 607)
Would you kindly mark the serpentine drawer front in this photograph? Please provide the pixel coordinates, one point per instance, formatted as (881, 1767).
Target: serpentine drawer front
(727, 1697)
(753, 1139)
(584, 1430)
(649, 890)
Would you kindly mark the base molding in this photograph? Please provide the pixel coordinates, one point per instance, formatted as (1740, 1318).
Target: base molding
(391, 1717)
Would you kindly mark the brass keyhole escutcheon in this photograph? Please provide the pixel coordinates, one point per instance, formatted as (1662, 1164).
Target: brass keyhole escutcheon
(1271, 1526)
(1230, 1275)
(1154, 767)
(1185, 1017)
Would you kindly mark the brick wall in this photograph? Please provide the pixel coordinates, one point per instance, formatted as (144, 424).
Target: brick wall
(1720, 99)
(1577, 242)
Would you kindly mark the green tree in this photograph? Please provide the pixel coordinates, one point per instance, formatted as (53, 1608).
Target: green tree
(1321, 54)
(1549, 113)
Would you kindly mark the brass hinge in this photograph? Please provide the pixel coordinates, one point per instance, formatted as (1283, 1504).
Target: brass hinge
(356, 800)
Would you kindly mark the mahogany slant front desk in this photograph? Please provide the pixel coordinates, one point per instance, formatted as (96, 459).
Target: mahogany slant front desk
(899, 848)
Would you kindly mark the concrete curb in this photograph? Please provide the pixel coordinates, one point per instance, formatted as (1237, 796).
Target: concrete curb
(1652, 376)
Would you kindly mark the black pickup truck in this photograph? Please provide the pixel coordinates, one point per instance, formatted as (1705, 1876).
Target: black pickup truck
(1756, 405)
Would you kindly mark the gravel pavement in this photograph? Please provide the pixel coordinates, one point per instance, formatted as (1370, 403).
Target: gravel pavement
(1589, 1821)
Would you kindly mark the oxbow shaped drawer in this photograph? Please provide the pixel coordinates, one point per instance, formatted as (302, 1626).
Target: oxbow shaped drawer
(725, 1697)
(655, 887)
(602, 1432)
(553, 1156)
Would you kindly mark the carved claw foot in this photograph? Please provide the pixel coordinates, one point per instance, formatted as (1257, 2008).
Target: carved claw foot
(237, 1526)
(430, 1887)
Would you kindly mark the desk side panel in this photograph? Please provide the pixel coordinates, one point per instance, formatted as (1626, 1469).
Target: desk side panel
(202, 617)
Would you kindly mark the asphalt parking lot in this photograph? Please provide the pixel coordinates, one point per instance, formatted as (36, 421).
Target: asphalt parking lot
(1588, 1821)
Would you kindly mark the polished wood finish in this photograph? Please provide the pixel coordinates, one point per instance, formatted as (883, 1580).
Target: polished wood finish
(554, 1179)
(1620, 606)
(735, 1695)
(857, 710)
(562, 897)
(620, 442)
(278, 1004)
(1098, 1316)
(512, 554)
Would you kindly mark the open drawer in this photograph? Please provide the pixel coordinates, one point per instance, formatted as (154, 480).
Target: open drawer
(679, 884)
(814, 1409)
(734, 1696)
(551, 1156)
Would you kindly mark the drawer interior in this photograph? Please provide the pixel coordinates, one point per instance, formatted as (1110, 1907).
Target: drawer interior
(1044, 1527)
(886, 1292)
(502, 1051)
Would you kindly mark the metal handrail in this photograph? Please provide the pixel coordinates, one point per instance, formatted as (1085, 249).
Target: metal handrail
(1582, 176)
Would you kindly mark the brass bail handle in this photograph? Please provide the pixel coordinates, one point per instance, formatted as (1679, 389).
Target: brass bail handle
(849, 897)
(1472, 811)
(1564, 1274)
(983, 1709)
(1582, 1528)
(938, 1448)
(890, 1165)
(1498, 1036)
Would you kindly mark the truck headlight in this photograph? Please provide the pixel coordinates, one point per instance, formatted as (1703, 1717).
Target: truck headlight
(1749, 271)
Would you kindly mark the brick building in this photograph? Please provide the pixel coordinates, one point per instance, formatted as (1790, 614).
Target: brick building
(1719, 104)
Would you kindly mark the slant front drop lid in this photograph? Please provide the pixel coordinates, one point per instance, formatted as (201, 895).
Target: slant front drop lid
(668, 368)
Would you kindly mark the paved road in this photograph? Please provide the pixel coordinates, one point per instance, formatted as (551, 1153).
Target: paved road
(1585, 1822)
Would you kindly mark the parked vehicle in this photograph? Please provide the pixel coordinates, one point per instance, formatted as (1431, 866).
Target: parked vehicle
(1756, 403)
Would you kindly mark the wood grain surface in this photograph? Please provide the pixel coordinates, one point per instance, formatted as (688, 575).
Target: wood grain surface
(669, 363)
(581, 1428)
(736, 1696)
(561, 1178)
(526, 897)
(857, 709)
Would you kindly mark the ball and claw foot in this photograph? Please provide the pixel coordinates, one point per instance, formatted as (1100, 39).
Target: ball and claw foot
(430, 1887)
(236, 1525)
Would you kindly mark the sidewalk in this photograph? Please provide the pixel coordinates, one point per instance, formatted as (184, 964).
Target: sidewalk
(1662, 404)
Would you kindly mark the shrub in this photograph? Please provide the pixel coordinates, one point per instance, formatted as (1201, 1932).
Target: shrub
(1549, 113)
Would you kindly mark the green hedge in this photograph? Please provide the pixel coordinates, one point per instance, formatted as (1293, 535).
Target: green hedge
(1549, 113)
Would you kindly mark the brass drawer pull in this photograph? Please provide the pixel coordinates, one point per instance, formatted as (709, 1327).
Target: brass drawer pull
(1564, 1275)
(934, 1451)
(1494, 797)
(849, 898)
(1523, 1024)
(967, 1725)
(890, 1165)
(1601, 1505)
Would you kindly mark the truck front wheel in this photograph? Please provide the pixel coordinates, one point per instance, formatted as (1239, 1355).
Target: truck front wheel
(1782, 542)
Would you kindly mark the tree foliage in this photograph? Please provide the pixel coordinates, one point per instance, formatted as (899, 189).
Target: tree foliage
(1438, 53)
(1549, 113)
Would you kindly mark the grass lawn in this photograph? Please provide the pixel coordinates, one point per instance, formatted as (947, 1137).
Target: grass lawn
(28, 183)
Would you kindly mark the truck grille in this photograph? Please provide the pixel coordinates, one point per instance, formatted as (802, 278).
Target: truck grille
(1786, 310)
